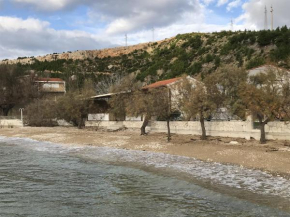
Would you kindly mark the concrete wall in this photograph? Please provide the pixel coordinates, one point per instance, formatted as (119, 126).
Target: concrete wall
(99, 117)
(234, 129)
(139, 118)
(10, 123)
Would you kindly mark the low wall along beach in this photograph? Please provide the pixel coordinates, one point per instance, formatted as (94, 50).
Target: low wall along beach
(234, 129)
(10, 123)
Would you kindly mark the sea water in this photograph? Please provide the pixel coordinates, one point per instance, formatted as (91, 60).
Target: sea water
(46, 179)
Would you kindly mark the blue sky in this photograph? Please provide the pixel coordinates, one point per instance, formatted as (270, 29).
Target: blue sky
(35, 27)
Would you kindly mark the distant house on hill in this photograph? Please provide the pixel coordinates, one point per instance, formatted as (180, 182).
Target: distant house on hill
(50, 87)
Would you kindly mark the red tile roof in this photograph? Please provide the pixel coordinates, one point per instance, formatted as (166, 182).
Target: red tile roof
(161, 83)
(49, 79)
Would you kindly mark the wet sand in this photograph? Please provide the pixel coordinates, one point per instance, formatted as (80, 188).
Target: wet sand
(274, 157)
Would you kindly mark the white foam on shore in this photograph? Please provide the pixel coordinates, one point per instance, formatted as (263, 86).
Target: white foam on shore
(256, 181)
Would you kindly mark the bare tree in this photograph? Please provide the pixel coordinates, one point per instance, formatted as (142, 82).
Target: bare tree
(14, 88)
(123, 90)
(130, 99)
(149, 103)
(229, 79)
(106, 83)
(76, 105)
(41, 113)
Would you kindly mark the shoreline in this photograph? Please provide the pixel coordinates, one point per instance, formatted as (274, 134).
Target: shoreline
(273, 158)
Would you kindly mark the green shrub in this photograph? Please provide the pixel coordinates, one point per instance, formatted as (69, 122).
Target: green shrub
(258, 61)
(195, 68)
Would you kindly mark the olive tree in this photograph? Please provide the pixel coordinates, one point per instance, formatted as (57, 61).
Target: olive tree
(199, 99)
(130, 99)
(263, 96)
(149, 103)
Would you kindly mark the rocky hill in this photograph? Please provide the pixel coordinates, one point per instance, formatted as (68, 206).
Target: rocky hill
(192, 53)
(82, 55)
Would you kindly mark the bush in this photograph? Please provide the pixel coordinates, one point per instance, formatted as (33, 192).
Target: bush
(75, 106)
(265, 38)
(41, 113)
(258, 61)
(195, 68)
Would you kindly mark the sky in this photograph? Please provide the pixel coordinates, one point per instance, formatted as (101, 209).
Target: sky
(39, 27)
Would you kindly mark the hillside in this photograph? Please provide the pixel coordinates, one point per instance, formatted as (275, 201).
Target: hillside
(191, 53)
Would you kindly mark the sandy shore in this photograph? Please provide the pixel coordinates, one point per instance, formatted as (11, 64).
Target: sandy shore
(273, 157)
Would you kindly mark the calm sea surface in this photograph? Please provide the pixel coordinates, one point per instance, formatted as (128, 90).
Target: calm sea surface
(45, 179)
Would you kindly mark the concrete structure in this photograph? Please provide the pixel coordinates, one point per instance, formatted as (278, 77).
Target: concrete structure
(233, 129)
(10, 123)
(173, 86)
(102, 101)
(50, 87)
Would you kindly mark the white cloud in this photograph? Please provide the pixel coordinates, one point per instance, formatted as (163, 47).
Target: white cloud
(233, 4)
(208, 2)
(126, 15)
(222, 2)
(49, 5)
(253, 15)
(28, 37)
(189, 23)
(136, 15)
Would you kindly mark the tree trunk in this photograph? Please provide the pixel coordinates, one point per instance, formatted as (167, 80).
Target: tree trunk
(6, 109)
(81, 123)
(203, 135)
(145, 124)
(262, 129)
(263, 134)
(168, 130)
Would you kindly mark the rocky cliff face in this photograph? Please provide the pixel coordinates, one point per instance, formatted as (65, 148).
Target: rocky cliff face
(84, 54)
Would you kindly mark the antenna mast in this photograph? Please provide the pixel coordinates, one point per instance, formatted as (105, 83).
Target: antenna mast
(153, 34)
(126, 40)
(266, 19)
(232, 25)
(272, 18)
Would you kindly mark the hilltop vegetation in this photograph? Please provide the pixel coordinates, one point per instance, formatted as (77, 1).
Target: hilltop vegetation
(193, 53)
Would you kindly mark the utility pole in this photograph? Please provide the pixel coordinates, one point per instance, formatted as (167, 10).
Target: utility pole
(21, 113)
(266, 19)
(272, 18)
